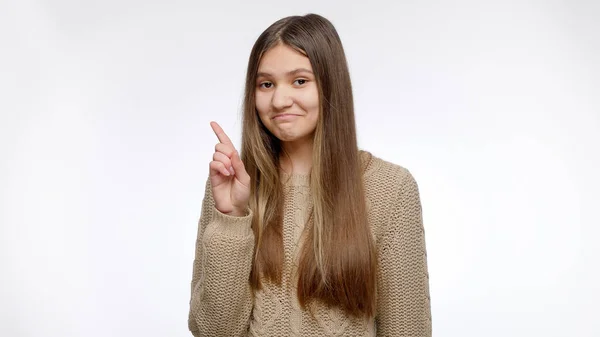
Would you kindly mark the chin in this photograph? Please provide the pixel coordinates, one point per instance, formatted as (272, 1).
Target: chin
(287, 138)
(292, 138)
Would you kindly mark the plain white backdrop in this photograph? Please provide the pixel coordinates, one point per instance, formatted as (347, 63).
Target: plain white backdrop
(105, 143)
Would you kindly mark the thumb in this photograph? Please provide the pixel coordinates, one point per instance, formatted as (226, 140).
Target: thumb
(240, 170)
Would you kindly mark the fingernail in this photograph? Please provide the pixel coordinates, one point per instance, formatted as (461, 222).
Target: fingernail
(225, 172)
(231, 170)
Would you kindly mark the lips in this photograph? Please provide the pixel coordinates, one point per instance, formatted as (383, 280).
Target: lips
(284, 116)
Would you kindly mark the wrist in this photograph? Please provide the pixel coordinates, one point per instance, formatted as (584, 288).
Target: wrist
(239, 213)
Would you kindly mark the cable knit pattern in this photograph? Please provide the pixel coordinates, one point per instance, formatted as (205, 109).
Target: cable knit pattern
(222, 304)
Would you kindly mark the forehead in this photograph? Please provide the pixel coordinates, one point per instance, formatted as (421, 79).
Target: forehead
(282, 59)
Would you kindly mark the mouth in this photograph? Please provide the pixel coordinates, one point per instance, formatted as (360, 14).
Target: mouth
(284, 116)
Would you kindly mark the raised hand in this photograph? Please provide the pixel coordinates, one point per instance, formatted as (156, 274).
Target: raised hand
(229, 180)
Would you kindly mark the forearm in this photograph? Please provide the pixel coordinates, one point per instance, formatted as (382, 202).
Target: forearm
(221, 300)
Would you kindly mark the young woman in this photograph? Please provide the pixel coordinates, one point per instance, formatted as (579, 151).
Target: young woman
(303, 234)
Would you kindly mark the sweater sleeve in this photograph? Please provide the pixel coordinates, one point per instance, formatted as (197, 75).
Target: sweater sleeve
(221, 298)
(403, 307)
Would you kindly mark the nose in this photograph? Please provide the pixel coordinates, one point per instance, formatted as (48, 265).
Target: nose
(282, 99)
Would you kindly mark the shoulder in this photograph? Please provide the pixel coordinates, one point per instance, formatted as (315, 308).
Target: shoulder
(392, 194)
(385, 176)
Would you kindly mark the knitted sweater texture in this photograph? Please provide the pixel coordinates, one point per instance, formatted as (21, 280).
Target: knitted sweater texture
(222, 303)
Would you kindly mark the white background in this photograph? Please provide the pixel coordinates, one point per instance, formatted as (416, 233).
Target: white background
(105, 144)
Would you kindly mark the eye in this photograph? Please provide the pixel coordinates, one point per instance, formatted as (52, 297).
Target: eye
(300, 81)
(266, 85)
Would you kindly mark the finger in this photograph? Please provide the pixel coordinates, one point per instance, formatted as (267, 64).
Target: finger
(216, 167)
(218, 156)
(240, 170)
(220, 133)
(225, 149)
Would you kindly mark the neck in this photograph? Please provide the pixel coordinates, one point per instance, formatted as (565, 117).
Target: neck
(297, 156)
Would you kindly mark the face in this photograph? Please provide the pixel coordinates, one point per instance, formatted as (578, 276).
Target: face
(286, 94)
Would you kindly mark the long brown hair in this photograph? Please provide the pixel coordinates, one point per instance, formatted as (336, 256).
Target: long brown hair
(338, 263)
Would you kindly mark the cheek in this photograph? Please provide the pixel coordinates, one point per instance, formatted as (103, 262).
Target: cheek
(312, 103)
(262, 105)
(310, 100)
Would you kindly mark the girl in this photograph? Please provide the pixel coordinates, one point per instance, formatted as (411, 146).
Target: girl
(303, 234)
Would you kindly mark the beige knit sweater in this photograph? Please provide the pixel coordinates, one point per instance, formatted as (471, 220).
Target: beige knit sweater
(222, 304)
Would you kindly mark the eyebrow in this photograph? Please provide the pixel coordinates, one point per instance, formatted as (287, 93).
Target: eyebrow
(289, 73)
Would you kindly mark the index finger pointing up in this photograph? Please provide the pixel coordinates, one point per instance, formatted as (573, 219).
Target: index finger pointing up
(220, 133)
